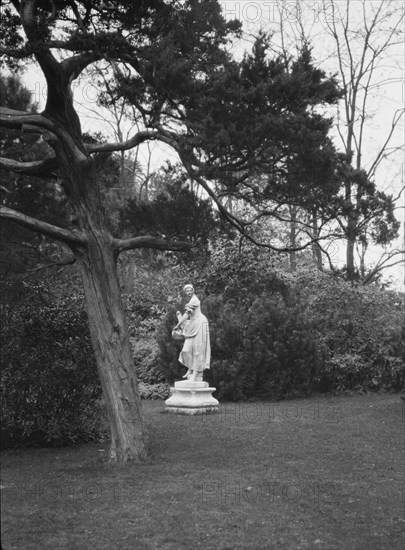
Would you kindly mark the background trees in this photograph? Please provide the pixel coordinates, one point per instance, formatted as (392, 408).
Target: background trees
(361, 44)
(361, 51)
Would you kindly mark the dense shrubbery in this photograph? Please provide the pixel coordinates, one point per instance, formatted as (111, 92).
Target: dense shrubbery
(154, 391)
(320, 334)
(146, 359)
(50, 392)
(359, 332)
(347, 371)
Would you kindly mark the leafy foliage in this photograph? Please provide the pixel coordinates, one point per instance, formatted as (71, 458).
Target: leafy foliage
(174, 212)
(372, 210)
(146, 358)
(355, 321)
(154, 391)
(50, 393)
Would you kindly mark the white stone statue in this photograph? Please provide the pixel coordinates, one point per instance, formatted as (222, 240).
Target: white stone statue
(193, 327)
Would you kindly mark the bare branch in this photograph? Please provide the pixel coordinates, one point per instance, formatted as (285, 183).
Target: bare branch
(61, 263)
(383, 264)
(53, 231)
(399, 194)
(380, 156)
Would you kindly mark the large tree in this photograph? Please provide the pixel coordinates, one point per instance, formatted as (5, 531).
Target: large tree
(169, 60)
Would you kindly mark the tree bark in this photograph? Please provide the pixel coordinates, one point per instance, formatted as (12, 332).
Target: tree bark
(350, 233)
(97, 261)
(112, 349)
(293, 237)
(316, 249)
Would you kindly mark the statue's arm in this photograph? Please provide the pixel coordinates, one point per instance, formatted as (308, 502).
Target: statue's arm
(181, 318)
(193, 303)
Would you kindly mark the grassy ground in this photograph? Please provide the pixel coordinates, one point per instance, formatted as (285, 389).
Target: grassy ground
(320, 473)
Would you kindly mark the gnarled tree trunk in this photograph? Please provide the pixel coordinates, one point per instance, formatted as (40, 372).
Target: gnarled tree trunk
(108, 327)
(112, 350)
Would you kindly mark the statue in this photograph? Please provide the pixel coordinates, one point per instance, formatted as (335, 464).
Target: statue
(193, 327)
(192, 396)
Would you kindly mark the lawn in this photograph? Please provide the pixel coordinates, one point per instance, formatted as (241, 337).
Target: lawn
(320, 473)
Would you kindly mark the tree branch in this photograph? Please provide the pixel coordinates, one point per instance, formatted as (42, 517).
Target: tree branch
(134, 141)
(151, 242)
(74, 65)
(28, 14)
(395, 120)
(10, 118)
(382, 264)
(53, 231)
(45, 169)
(62, 263)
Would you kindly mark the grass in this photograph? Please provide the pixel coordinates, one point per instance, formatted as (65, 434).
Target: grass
(319, 473)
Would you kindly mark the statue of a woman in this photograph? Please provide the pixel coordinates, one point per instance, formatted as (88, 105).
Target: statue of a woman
(196, 352)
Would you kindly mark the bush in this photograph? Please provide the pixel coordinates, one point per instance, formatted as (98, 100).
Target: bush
(146, 360)
(50, 391)
(154, 391)
(359, 332)
(262, 351)
(352, 372)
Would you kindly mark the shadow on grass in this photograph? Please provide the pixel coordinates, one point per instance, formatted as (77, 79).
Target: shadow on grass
(316, 473)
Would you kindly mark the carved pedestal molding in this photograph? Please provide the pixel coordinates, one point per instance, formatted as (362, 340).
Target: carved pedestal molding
(191, 398)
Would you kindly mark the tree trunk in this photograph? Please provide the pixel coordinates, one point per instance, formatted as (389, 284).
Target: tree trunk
(293, 237)
(350, 230)
(108, 326)
(351, 243)
(95, 250)
(316, 249)
(364, 247)
(113, 353)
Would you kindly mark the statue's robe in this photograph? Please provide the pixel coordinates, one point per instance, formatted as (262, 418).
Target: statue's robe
(196, 352)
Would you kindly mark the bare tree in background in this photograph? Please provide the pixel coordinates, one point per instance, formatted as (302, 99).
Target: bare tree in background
(366, 35)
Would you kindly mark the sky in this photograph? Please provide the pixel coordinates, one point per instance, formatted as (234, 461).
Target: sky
(387, 94)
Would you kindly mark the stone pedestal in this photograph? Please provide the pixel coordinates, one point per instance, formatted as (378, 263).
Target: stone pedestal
(191, 398)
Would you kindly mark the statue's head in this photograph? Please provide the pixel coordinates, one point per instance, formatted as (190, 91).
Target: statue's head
(188, 290)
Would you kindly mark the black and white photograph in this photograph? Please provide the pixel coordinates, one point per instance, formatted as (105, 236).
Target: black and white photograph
(202, 274)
